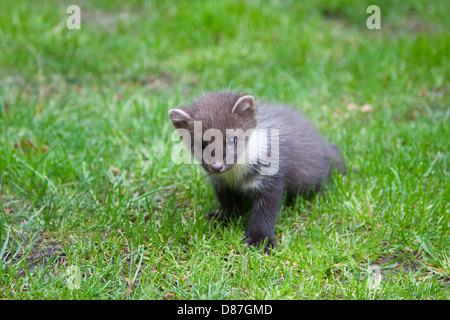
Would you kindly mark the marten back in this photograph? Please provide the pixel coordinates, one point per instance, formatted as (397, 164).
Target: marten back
(303, 165)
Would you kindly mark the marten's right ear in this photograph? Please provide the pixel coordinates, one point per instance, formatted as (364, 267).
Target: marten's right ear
(179, 118)
(246, 105)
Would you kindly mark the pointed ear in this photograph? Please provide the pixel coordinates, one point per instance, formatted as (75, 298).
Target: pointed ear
(179, 118)
(246, 105)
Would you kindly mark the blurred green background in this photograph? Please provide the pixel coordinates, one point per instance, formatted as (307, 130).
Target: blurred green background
(86, 176)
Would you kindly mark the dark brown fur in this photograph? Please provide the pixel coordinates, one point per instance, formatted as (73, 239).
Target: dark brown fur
(306, 161)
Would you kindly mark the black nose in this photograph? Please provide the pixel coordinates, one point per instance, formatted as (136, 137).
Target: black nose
(217, 167)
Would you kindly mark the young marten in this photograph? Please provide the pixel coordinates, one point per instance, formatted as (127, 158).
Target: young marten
(255, 154)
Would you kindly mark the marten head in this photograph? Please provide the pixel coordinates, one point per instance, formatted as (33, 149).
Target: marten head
(216, 127)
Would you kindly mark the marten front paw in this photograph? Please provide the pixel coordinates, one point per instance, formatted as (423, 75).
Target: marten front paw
(219, 216)
(267, 242)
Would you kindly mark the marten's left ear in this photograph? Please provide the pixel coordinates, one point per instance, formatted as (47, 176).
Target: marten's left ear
(179, 118)
(246, 105)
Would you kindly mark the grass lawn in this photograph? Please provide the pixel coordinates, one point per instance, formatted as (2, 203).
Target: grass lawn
(92, 206)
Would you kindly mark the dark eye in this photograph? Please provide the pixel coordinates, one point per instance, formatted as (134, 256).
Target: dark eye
(232, 141)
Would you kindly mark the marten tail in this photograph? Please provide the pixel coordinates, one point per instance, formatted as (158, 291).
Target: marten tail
(336, 160)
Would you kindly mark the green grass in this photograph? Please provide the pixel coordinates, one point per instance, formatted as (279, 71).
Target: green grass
(87, 185)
